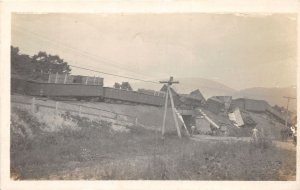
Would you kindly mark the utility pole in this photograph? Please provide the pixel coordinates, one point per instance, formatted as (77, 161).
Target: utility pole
(287, 108)
(169, 93)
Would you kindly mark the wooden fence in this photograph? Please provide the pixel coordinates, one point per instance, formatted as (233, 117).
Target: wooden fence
(36, 104)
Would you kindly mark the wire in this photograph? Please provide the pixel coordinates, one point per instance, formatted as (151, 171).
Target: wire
(122, 76)
(84, 53)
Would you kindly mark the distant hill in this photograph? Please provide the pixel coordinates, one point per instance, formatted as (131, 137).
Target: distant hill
(271, 95)
(207, 87)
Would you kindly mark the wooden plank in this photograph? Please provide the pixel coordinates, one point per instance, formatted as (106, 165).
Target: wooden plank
(165, 114)
(174, 114)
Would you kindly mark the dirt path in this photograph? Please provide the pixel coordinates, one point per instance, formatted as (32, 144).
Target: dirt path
(203, 138)
(219, 138)
(285, 145)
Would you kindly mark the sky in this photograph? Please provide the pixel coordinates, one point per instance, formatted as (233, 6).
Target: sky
(238, 50)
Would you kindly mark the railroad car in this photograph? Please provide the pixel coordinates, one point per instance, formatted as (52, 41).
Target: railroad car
(83, 92)
(115, 95)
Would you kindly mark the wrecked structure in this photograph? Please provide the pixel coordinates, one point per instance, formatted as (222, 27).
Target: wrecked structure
(223, 115)
(259, 106)
(241, 118)
(217, 104)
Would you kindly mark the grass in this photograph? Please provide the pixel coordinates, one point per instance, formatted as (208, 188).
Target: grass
(93, 149)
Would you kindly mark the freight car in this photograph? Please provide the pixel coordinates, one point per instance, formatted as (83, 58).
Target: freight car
(83, 92)
(128, 96)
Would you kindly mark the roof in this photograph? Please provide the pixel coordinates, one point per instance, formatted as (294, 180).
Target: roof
(215, 100)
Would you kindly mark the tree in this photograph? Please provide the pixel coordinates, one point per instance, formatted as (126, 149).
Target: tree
(117, 85)
(126, 86)
(47, 63)
(38, 66)
(20, 63)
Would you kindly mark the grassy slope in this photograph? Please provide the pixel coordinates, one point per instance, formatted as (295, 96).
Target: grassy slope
(90, 149)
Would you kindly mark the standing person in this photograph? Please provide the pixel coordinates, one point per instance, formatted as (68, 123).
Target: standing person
(193, 129)
(254, 134)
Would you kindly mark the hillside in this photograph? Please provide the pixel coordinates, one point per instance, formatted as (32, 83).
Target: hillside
(65, 146)
(272, 95)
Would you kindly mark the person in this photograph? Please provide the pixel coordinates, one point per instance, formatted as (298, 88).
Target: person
(294, 131)
(193, 129)
(254, 134)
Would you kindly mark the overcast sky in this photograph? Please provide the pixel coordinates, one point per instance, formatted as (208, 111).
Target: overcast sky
(240, 51)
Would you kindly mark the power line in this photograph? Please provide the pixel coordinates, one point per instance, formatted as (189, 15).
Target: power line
(83, 53)
(122, 76)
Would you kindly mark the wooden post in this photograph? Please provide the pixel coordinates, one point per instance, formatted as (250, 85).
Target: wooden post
(87, 78)
(287, 109)
(165, 114)
(117, 118)
(136, 121)
(33, 108)
(181, 118)
(80, 111)
(49, 79)
(94, 79)
(168, 93)
(65, 81)
(56, 76)
(174, 114)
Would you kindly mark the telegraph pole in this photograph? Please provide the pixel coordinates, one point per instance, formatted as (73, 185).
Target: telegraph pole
(169, 93)
(287, 108)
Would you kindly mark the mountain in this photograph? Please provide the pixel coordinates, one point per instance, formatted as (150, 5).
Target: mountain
(272, 95)
(207, 87)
